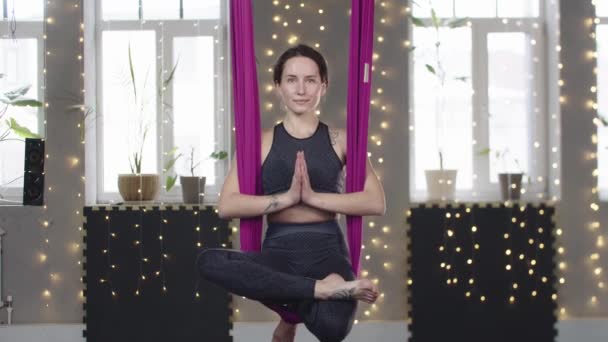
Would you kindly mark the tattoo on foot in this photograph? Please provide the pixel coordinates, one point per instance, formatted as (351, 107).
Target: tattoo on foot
(274, 202)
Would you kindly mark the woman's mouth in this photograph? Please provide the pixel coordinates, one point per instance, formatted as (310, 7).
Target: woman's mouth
(300, 102)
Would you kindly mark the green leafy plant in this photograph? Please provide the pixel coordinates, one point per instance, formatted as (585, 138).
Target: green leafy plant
(170, 180)
(218, 155)
(143, 126)
(506, 159)
(437, 68)
(15, 98)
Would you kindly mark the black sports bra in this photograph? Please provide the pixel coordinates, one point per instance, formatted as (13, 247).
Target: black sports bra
(323, 164)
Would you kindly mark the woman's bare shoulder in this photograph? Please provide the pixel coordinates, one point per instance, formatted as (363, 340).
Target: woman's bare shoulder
(338, 136)
(267, 135)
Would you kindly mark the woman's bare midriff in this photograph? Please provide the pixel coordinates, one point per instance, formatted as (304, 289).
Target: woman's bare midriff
(301, 213)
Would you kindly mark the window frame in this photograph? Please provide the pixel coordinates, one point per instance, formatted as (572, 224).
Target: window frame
(483, 189)
(171, 28)
(30, 29)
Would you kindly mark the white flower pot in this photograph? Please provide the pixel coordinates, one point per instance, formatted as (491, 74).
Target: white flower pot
(441, 184)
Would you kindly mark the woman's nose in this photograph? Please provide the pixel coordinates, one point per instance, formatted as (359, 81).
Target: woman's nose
(300, 88)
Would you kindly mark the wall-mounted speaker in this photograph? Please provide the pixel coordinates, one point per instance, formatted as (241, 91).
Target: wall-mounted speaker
(33, 172)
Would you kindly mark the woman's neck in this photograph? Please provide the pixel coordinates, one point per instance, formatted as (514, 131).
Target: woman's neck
(302, 125)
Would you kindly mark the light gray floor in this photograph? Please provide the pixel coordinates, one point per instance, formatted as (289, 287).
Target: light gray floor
(362, 332)
(572, 330)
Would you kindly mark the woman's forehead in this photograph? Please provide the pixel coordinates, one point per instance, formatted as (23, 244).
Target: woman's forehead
(301, 66)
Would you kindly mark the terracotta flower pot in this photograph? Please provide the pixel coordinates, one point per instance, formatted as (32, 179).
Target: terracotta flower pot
(138, 187)
(193, 189)
(441, 184)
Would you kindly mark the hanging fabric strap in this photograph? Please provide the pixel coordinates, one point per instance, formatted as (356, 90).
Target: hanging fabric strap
(357, 119)
(247, 120)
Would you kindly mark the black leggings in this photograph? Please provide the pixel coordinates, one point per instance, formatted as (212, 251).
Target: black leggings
(293, 257)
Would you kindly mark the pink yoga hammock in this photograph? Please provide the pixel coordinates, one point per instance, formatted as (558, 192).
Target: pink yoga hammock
(247, 119)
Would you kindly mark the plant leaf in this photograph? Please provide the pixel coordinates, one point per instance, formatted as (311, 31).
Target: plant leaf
(16, 93)
(417, 21)
(459, 22)
(21, 131)
(430, 69)
(170, 78)
(485, 151)
(173, 150)
(25, 103)
(170, 182)
(219, 155)
(132, 71)
(436, 21)
(171, 162)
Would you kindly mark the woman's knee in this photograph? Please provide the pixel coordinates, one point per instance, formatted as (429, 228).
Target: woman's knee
(333, 329)
(206, 258)
(333, 321)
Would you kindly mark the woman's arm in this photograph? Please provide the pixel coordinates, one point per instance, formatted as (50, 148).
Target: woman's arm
(370, 201)
(233, 204)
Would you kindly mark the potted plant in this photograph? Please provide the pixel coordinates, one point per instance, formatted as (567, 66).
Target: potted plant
(193, 187)
(510, 175)
(441, 183)
(15, 98)
(9, 124)
(137, 186)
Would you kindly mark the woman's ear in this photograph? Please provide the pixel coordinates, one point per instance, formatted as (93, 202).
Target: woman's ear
(324, 88)
(277, 91)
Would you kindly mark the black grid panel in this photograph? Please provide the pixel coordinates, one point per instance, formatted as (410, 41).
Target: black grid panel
(450, 245)
(172, 303)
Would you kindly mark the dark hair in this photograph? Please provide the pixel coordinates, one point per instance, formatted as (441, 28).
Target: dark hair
(303, 51)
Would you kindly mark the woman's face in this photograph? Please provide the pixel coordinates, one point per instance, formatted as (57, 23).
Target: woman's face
(301, 87)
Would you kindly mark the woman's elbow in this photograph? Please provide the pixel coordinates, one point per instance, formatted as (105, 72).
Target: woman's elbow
(380, 210)
(376, 203)
(222, 210)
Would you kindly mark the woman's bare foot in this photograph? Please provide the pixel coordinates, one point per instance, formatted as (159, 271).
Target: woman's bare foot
(284, 332)
(333, 287)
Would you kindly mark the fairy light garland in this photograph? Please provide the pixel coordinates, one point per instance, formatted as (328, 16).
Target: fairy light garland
(594, 225)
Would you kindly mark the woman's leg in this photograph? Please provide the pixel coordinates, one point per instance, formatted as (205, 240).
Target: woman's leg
(256, 275)
(330, 320)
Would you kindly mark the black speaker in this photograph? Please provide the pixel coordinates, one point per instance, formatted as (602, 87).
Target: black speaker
(33, 175)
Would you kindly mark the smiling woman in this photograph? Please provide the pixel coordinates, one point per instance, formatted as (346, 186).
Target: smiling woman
(304, 266)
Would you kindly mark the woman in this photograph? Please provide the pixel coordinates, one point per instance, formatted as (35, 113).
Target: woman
(304, 263)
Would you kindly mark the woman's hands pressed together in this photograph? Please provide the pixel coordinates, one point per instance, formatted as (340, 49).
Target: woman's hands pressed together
(300, 190)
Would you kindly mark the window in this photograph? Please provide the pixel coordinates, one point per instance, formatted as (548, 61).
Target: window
(21, 65)
(491, 99)
(602, 94)
(179, 60)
